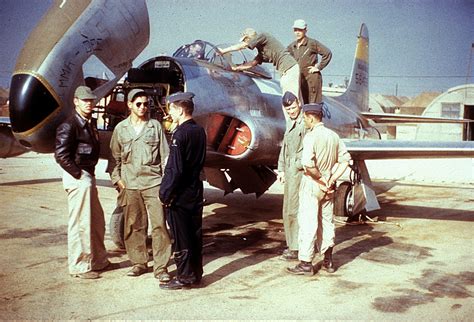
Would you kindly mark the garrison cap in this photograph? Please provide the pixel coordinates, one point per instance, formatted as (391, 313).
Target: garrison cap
(288, 99)
(84, 93)
(248, 32)
(134, 93)
(299, 24)
(179, 96)
(313, 108)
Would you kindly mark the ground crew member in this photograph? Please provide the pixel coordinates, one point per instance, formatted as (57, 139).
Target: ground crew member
(77, 152)
(140, 149)
(324, 159)
(290, 172)
(182, 192)
(270, 50)
(306, 50)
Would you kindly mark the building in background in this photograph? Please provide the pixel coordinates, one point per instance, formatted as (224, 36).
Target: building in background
(457, 103)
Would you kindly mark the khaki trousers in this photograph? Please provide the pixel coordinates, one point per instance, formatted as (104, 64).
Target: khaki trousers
(290, 82)
(86, 225)
(141, 204)
(315, 219)
(291, 205)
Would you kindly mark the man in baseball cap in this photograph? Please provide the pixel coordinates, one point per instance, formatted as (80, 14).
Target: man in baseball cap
(270, 50)
(77, 149)
(306, 51)
(299, 24)
(139, 148)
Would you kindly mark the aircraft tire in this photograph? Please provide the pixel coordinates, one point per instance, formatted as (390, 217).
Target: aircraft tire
(341, 199)
(116, 227)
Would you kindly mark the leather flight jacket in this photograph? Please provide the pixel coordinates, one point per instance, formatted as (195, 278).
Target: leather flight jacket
(77, 145)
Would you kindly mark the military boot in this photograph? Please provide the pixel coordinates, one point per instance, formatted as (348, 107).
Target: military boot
(327, 261)
(303, 268)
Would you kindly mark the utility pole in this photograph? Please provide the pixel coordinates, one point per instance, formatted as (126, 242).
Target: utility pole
(469, 65)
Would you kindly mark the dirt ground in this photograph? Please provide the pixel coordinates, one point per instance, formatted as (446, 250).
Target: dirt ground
(415, 263)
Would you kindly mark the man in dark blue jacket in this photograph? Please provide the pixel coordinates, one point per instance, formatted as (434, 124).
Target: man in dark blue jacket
(181, 192)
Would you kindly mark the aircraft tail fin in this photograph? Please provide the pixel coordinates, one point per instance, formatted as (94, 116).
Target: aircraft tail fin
(357, 92)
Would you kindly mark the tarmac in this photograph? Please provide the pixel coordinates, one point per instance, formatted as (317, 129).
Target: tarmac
(414, 263)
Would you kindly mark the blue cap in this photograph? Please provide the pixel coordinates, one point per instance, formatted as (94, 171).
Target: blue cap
(288, 99)
(179, 96)
(313, 108)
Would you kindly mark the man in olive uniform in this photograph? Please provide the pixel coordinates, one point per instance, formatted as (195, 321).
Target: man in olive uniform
(270, 50)
(182, 192)
(324, 159)
(290, 172)
(140, 149)
(306, 50)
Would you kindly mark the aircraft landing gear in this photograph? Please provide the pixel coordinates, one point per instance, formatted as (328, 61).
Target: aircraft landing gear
(344, 203)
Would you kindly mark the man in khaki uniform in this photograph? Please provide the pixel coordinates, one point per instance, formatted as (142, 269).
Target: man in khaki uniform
(140, 150)
(306, 50)
(324, 159)
(290, 172)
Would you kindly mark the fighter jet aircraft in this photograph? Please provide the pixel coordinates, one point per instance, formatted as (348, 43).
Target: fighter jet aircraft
(241, 111)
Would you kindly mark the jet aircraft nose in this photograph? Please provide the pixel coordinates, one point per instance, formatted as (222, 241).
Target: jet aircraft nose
(31, 104)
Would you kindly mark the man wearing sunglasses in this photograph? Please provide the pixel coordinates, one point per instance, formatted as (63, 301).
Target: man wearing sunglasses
(139, 149)
(306, 51)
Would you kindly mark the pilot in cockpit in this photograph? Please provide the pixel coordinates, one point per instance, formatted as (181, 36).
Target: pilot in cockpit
(196, 50)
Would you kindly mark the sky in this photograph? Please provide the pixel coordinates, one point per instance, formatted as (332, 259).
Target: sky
(415, 46)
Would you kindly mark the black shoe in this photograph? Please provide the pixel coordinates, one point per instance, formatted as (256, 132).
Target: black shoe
(289, 255)
(328, 265)
(303, 268)
(175, 284)
(137, 270)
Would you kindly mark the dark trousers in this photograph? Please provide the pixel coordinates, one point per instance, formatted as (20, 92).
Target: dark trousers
(186, 230)
(311, 88)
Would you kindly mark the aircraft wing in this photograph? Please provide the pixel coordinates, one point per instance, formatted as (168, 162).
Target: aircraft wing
(406, 118)
(397, 149)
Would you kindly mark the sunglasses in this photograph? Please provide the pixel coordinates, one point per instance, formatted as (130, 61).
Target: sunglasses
(138, 104)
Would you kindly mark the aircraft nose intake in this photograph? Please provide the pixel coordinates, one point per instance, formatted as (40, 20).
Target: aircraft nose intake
(30, 102)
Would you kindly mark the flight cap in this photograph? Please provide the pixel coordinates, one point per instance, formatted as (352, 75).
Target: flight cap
(299, 24)
(313, 108)
(288, 99)
(84, 93)
(179, 96)
(248, 32)
(134, 93)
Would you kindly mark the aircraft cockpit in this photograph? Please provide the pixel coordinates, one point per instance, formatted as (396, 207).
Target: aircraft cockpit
(203, 50)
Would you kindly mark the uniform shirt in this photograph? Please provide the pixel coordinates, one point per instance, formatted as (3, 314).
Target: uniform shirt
(323, 148)
(181, 185)
(307, 54)
(292, 147)
(271, 50)
(139, 158)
